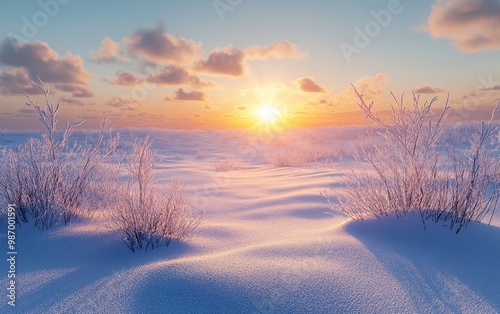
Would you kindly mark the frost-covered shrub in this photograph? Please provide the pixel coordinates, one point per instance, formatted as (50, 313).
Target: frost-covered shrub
(300, 147)
(413, 169)
(146, 217)
(51, 179)
(296, 156)
(227, 164)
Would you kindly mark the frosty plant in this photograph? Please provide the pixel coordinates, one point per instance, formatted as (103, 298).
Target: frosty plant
(411, 169)
(50, 179)
(146, 217)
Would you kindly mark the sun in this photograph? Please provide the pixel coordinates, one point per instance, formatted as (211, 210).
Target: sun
(268, 114)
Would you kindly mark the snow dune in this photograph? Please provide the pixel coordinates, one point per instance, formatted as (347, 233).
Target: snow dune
(269, 243)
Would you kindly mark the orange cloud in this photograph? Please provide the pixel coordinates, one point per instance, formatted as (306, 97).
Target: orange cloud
(37, 59)
(120, 102)
(230, 61)
(493, 87)
(427, 89)
(70, 101)
(109, 51)
(181, 95)
(280, 50)
(76, 90)
(174, 76)
(158, 46)
(471, 25)
(371, 86)
(127, 79)
(309, 85)
(227, 61)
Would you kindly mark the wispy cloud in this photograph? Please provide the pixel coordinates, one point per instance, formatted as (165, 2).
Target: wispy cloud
(70, 101)
(181, 95)
(28, 111)
(495, 87)
(427, 89)
(120, 102)
(369, 86)
(174, 76)
(280, 50)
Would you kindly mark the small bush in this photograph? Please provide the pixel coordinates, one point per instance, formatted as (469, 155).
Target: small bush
(412, 170)
(296, 156)
(145, 217)
(201, 154)
(227, 164)
(49, 179)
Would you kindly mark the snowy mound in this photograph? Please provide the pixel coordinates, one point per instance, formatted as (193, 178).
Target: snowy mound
(440, 270)
(269, 243)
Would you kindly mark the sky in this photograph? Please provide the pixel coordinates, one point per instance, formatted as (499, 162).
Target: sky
(220, 64)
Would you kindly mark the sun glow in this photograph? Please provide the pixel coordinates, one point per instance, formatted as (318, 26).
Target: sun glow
(268, 114)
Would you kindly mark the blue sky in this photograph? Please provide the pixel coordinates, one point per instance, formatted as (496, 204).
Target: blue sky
(288, 52)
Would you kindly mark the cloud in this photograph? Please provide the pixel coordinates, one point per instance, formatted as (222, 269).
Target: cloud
(371, 86)
(309, 85)
(69, 101)
(158, 46)
(280, 50)
(368, 86)
(37, 59)
(471, 25)
(126, 79)
(181, 95)
(322, 102)
(174, 76)
(109, 51)
(76, 90)
(27, 111)
(228, 61)
(301, 113)
(120, 102)
(482, 95)
(15, 82)
(243, 107)
(327, 103)
(495, 87)
(427, 89)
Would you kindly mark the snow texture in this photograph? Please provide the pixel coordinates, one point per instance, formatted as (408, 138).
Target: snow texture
(269, 243)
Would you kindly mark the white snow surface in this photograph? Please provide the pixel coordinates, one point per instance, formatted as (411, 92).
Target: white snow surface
(269, 243)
